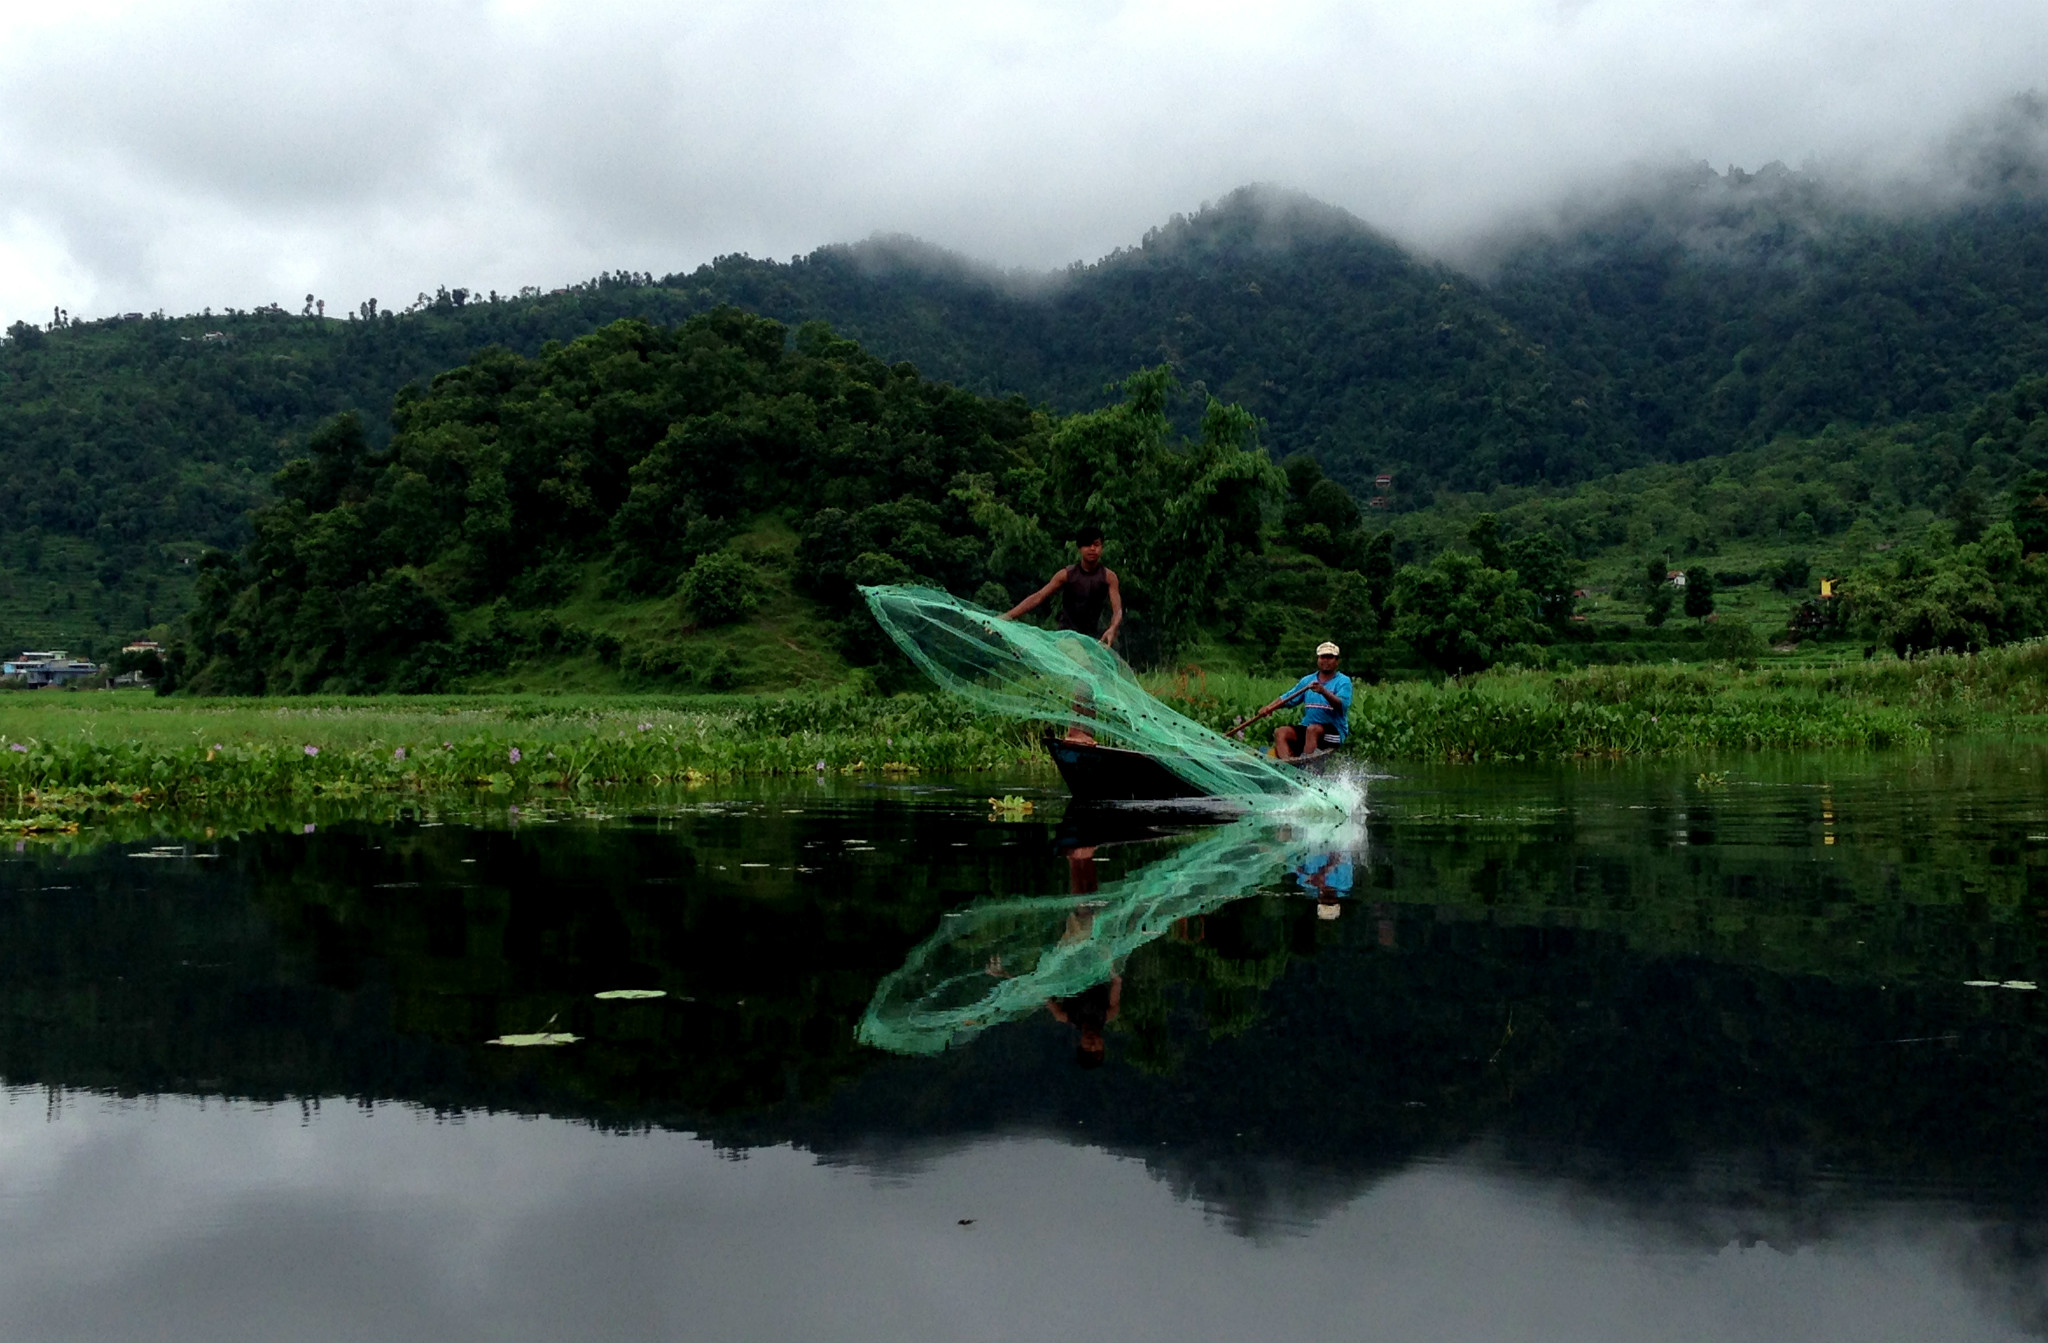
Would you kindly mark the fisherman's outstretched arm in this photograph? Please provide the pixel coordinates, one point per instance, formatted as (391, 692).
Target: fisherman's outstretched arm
(1037, 599)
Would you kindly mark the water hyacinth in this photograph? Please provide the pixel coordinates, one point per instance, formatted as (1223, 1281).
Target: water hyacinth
(149, 752)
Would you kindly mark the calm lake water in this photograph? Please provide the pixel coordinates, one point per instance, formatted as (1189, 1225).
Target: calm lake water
(1744, 1049)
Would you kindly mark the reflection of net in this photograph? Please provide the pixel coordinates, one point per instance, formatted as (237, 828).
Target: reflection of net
(999, 960)
(1022, 671)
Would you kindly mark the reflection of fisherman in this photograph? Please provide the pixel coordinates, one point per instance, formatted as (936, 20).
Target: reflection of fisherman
(1325, 696)
(1086, 587)
(1092, 1009)
(1327, 876)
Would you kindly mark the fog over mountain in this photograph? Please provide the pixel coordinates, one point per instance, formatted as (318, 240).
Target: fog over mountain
(228, 154)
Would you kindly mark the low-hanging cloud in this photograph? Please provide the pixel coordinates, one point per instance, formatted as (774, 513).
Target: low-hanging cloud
(234, 154)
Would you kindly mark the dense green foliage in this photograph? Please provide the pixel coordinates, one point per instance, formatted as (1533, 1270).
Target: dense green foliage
(1868, 508)
(1706, 314)
(1459, 614)
(644, 450)
(1701, 317)
(639, 458)
(67, 757)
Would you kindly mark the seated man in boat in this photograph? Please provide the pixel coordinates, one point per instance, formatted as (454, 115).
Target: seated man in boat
(1085, 588)
(1325, 696)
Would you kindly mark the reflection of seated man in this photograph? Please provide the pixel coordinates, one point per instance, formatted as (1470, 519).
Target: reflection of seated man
(1327, 876)
(1325, 696)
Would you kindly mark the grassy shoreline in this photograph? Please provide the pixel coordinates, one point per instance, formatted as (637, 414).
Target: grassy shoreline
(61, 752)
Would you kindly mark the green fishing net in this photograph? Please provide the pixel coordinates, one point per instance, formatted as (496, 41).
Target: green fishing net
(1000, 960)
(1057, 676)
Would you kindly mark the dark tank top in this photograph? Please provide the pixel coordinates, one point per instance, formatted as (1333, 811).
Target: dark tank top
(1083, 598)
(1088, 1009)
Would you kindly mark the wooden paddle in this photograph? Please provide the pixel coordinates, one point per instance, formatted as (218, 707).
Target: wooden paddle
(1244, 723)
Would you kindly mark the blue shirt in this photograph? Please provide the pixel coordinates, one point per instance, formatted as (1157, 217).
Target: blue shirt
(1316, 709)
(1325, 874)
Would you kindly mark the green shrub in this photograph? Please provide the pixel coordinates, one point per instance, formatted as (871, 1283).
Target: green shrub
(720, 588)
(1734, 641)
(873, 567)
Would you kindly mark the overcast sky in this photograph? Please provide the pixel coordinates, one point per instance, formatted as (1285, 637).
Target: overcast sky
(179, 156)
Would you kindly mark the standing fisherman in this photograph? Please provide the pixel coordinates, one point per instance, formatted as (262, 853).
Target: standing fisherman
(1085, 588)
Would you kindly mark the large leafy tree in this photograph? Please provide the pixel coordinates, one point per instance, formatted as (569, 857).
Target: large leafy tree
(1180, 514)
(1459, 614)
(639, 444)
(1942, 597)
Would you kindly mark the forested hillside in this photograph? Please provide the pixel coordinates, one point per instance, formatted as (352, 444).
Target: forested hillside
(1709, 315)
(663, 482)
(696, 505)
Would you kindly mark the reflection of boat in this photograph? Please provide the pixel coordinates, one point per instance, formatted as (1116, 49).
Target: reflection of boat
(1097, 773)
(1095, 825)
(998, 960)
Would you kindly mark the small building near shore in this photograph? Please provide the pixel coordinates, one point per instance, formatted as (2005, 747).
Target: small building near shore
(52, 668)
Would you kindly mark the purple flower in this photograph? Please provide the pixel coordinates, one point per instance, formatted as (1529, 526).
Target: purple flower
(821, 764)
(312, 750)
(647, 727)
(398, 754)
(308, 830)
(515, 755)
(17, 746)
(218, 747)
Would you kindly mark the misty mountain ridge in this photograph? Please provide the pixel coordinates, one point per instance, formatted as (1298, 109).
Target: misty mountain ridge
(1702, 312)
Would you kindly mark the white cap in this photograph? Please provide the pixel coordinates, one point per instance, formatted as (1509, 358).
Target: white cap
(1326, 647)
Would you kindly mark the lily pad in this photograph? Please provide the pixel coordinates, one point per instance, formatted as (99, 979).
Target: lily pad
(634, 993)
(541, 1038)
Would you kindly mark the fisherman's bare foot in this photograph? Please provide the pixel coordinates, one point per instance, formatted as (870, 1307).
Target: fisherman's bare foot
(1079, 737)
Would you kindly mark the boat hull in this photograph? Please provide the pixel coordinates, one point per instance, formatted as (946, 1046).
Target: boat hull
(1096, 773)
